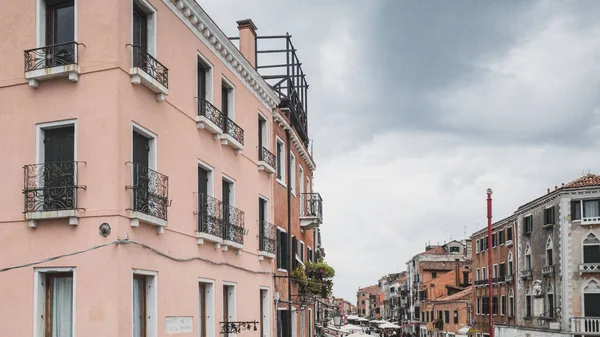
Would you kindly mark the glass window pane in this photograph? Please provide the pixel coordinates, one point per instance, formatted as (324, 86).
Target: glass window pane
(62, 306)
(64, 24)
(591, 208)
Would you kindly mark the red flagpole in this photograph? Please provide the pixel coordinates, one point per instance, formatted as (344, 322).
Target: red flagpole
(489, 252)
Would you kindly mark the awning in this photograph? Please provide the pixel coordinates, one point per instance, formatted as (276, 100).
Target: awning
(464, 330)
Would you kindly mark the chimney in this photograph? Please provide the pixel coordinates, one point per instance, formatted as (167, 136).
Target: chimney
(248, 40)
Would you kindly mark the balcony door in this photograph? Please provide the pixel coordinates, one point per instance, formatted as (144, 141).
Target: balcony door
(140, 36)
(60, 21)
(59, 168)
(141, 181)
(202, 200)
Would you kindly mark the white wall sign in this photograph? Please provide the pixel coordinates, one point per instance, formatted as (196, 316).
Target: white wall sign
(179, 324)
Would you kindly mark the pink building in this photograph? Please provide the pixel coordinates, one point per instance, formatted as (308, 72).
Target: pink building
(142, 156)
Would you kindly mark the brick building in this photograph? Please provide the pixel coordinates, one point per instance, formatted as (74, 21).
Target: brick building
(365, 300)
(447, 315)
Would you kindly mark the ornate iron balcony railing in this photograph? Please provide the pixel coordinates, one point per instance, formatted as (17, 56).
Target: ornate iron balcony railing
(51, 186)
(266, 156)
(210, 215)
(143, 60)
(589, 267)
(312, 205)
(150, 191)
(234, 130)
(55, 55)
(206, 109)
(233, 224)
(481, 282)
(267, 237)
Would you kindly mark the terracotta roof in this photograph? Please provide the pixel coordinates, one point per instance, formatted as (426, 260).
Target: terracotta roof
(458, 296)
(586, 180)
(370, 289)
(437, 250)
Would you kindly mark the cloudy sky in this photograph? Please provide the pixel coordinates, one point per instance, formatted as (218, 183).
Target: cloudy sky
(416, 107)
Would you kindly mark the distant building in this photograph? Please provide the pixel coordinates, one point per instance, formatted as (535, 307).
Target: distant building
(365, 300)
(448, 315)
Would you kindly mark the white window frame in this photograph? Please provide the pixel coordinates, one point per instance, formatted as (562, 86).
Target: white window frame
(549, 246)
(266, 310)
(495, 271)
(265, 131)
(301, 187)
(311, 319)
(230, 97)
(152, 143)
(208, 80)
(511, 308)
(210, 299)
(232, 300)
(151, 301)
(293, 173)
(302, 248)
(583, 243)
(40, 129)
(40, 22)
(151, 21)
(281, 157)
(502, 305)
(308, 185)
(294, 318)
(232, 195)
(39, 298)
(484, 275)
(477, 274)
(210, 188)
(584, 290)
(527, 253)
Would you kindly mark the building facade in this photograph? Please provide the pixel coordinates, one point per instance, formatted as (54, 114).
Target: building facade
(447, 316)
(143, 155)
(502, 275)
(365, 301)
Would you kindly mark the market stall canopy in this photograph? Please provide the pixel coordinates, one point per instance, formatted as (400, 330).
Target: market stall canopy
(351, 328)
(362, 319)
(464, 330)
(389, 326)
(352, 317)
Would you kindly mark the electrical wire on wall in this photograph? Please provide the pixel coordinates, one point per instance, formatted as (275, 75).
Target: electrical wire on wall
(127, 241)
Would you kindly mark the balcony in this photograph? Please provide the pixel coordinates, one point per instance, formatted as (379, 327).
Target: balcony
(547, 270)
(209, 117)
(233, 227)
(149, 72)
(585, 268)
(50, 191)
(210, 223)
(311, 210)
(150, 197)
(267, 245)
(481, 283)
(589, 326)
(232, 135)
(508, 278)
(525, 274)
(58, 60)
(266, 160)
(509, 243)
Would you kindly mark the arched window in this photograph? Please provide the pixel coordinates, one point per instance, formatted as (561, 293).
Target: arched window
(528, 257)
(511, 303)
(591, 299)
(591, 249)
(510, 263)
(549, 301)
(528, 303)
(549, 245)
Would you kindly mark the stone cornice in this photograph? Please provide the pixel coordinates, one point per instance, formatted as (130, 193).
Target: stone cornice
(202, 25)
(282, 122)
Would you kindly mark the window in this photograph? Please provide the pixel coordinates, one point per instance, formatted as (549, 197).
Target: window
(301, 251)
(478, 305)
(454, 249)
(262, 136)
(591, 299)
(55, 306)
(282, 250)
(283, 323)
(587, 208)
(294, 252)
(447, 316)
(433, 274)
(495, 305)
(511, 303)
(228, 304)
(363, 302)
(550, 301)
(227, 101)
(528, 306)
(144, 33)
(549, 260)
(264, 313)
(502, 271)
(509, 234)
(58, 23)
(204, 85)
(466, 277)
(309, 254)
(477, 278)
(510, 263)
(527, 224)
(484, 275)
(293, 173)
(502, 305)
(501, 237)
(455, 316)
(549, 216)
(206, 314)
(591, 249)
(576, 210)
(495, 272)
(528, 257)
(228, 199)
(485, 310)
(494, 238)
(477, 246)
(144, 304)
(301, 186)
(280, 161)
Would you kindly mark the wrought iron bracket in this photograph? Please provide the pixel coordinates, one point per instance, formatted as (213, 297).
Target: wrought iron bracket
(237, 327)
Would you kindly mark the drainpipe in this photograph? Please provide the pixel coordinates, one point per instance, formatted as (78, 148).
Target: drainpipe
(289, 228)
(489, 251)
